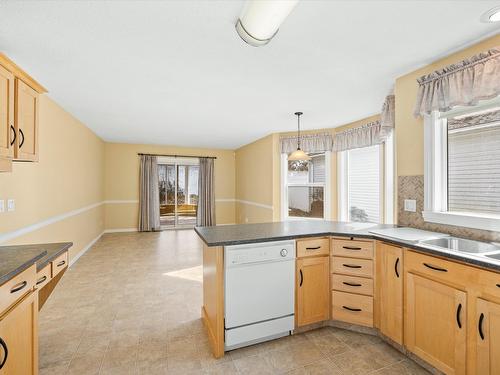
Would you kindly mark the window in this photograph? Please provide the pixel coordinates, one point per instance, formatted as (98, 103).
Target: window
(305, 193)
(462, 166)
(365, 184)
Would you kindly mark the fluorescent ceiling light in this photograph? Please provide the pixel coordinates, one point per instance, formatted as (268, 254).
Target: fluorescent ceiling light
(493, 15)
(260, 20)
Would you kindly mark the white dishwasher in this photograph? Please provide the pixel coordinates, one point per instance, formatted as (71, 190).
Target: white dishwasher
(259, 292)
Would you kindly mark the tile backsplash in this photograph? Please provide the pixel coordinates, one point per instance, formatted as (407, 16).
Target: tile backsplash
(412, 187)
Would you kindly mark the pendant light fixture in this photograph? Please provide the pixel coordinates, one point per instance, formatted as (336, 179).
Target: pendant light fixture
(298, 154)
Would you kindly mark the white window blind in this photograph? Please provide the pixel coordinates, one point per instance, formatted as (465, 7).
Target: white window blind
(474, 168)
(364, 184)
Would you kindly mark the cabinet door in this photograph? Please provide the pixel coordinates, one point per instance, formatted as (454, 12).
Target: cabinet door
(18, 331)
(26, 122)
(7, 131)
(488, 340)
(435, 323)
(312, 288)
(389, 298)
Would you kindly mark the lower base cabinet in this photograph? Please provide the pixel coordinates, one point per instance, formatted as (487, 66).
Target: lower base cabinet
(19, 338)
(488, 337)
(312, 290)
(435, 323)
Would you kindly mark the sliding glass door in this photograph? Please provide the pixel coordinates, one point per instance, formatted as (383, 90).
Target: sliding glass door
(178, 181)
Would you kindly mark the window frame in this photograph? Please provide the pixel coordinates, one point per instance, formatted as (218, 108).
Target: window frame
(436, 172)
(326, 189)
(386, 154)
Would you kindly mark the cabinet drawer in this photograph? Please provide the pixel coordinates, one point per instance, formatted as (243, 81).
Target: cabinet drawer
(352, 284)
(313, 247)
(352, 308)
(352, 248)
(351, 266)
(43, 276)
(17, 287)
(489, 283)
(439, 269)
(60, 263)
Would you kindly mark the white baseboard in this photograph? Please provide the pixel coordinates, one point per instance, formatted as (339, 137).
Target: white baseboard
(120, 230)
(85, 249)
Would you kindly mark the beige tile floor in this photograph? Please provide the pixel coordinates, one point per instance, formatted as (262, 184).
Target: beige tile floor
(131, 305)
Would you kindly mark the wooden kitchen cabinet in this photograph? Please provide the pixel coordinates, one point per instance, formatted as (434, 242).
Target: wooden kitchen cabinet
(389, 291)
(19, 338)
(26, 122)
(487, 321)
(312, 290)
(7, 130)
(435, 323)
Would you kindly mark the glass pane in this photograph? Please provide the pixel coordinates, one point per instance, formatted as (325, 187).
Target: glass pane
(181, 184)
(304, 172)
(166, 180)
(474, 163)
(305, 201)
(363, 170)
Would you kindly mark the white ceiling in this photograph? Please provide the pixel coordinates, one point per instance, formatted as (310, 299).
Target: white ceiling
(176, 72)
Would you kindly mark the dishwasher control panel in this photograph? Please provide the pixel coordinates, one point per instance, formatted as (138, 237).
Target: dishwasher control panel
(259, 252)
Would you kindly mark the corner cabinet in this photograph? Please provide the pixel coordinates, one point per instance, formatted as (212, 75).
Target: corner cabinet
(389, 291)
(19, 106)
(312, 297)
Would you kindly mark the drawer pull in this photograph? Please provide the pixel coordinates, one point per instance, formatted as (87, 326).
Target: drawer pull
(61, 263)
(498, 285)
(351, 265)
(301, 278)
(313, 248)
(396, 268)
(351, 248)
(18, 287)
(350, 284)
(351, 308)
(41, 280)
(459, 310)
(480, 326)
(6, 353)
(435, 268)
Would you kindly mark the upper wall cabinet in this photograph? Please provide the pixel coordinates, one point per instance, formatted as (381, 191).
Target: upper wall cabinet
(19, 104)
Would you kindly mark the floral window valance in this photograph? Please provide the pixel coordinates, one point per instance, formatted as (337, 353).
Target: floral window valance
(462, 84)
(363, 136)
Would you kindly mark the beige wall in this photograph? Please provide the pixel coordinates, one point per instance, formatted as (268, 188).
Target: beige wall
(410, 130)
(257, 181)
(68, 177)
(121, 186)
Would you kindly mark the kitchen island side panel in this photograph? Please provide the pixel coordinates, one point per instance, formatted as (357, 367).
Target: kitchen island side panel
(212, 311)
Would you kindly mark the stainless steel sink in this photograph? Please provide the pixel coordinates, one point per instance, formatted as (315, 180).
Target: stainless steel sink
(493, 256)
(463, 245)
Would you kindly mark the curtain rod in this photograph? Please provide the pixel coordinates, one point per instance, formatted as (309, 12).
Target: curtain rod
(179, 156)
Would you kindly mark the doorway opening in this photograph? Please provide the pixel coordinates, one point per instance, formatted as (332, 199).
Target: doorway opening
(178, 186)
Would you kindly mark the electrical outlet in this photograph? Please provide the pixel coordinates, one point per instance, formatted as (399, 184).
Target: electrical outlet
(410, 205)
(11, 205)
(2, 205)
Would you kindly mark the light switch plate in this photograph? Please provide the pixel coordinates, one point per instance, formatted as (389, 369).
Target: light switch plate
(11, 205)
(410, 205)
(2, 205)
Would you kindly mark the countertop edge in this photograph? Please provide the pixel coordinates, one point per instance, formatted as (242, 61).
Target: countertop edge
(6, 277)
(412, 246)
(65, 246)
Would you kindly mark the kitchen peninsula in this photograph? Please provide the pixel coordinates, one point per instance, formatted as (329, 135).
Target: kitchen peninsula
(350, 274)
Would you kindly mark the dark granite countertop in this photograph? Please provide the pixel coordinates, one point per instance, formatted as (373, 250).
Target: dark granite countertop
(225, 235)
(15, 259)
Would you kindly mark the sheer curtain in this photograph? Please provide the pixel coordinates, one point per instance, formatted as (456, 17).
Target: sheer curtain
(149, 195)
(205, 216)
